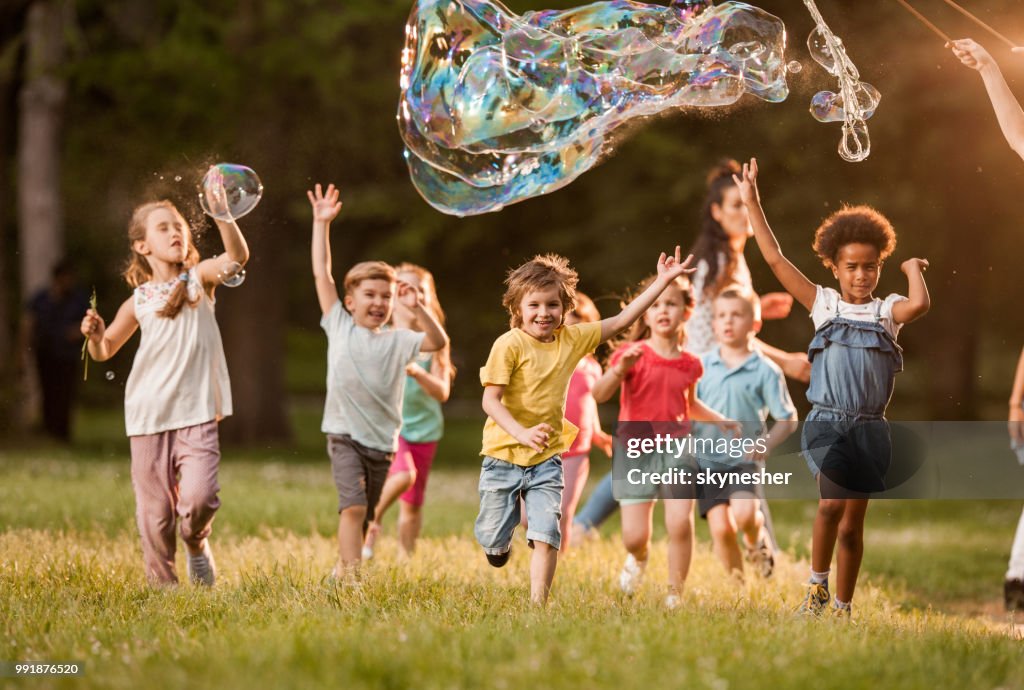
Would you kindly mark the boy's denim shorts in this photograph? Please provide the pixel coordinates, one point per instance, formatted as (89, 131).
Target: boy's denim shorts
(502, 484)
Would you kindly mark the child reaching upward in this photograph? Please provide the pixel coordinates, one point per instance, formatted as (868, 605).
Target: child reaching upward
(366, 371)
(658, 379)
(428, 383)
(178, 389)
(525, 381)
(854, 361)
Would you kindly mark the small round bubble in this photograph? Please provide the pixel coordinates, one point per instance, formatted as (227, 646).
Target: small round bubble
(794, 67)
(110, 375)
(177, 178)
(232, 275)
(229, 191)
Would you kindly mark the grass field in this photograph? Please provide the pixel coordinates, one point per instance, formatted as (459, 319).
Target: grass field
(72, 588)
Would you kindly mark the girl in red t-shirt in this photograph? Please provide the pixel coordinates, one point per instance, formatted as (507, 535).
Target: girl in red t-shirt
(659, 382)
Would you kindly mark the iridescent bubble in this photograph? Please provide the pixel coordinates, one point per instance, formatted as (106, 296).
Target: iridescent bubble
(794, 67)
(232, 274)
(228, 191)
(855, 102)
(110, 376)
(497, 108)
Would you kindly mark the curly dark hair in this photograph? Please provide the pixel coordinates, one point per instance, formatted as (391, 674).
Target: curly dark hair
(854, 224)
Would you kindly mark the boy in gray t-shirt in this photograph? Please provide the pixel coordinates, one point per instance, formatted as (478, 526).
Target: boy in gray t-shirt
(365, 376)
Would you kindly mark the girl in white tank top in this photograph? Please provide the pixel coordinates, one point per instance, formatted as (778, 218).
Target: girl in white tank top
(178, 388)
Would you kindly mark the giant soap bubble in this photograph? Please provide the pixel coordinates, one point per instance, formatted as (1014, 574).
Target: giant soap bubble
(229, 191)
(497, 108)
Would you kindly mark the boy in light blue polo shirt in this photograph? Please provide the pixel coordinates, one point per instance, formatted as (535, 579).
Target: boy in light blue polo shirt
(744, 385)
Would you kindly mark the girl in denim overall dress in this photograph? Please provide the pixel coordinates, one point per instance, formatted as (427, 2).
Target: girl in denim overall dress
(854, 361)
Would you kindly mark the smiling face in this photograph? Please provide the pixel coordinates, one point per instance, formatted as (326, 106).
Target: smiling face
(669, 312)
(541, 312)
(370, 302)
(857, 266)
(166, 239)
(732, 214)
(733, 321)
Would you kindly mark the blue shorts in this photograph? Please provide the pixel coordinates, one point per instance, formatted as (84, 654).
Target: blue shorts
(854, 454)
(502, 484)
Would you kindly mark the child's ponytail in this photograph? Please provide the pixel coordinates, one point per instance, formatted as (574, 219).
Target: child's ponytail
(138, 270)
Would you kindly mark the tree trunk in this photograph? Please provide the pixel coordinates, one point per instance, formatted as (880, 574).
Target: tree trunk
(41, 105)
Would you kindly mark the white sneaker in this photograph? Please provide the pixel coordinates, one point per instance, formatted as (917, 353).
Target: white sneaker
(672, 602)
(201, 569)
(632, 575)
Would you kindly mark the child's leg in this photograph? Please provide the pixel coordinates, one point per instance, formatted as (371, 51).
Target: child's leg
(679, 523)
(577, 469)
(410, 522)
(636, 527)
(197, 459)
(410, 518)
(401, 477)
(851, 547)
(599, 507)
(749, 519)
(826, 524)
(542, 571)
(1015, 571)
(722, 525)
(500, 486)
(155, 497)
(543, 498)
(359, 475)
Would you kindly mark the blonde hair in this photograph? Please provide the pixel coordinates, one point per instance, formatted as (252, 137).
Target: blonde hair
(427, 278)
(541, 272)
(640, 330)
(368, 270)
(748, 297)
(138, 270)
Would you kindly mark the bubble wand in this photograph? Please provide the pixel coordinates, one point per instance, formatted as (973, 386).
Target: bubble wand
(85, 345)
(921, 18)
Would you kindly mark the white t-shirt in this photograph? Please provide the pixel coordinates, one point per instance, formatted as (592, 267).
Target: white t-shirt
(700, 335)
(179, 376)
(366, 379)
(825, 309)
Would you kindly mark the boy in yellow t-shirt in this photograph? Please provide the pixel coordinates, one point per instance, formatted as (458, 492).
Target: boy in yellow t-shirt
(525, 381)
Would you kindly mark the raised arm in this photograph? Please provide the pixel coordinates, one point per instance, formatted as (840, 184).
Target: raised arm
(535, 437)
(437, 383)
(795, 282)
(1008, 110)
(434, 336)
(1016, 417)
(919, 302)
(104, 342)
(236, 254)
(605, 387)
(326, 207)
(669, 268)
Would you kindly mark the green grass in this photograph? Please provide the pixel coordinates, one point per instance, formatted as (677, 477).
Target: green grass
(72, 588)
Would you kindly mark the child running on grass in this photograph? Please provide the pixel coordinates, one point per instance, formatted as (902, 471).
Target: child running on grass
(178, 389)
(366, 371)
(525, 381)
(854, 361)
(742, 383)
(658, 379)
(428, 383)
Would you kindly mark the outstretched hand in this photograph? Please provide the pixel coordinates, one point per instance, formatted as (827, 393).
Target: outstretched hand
(409, 296)
(326, 205)
(671, 267)
(746, 183)
(972, 53)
